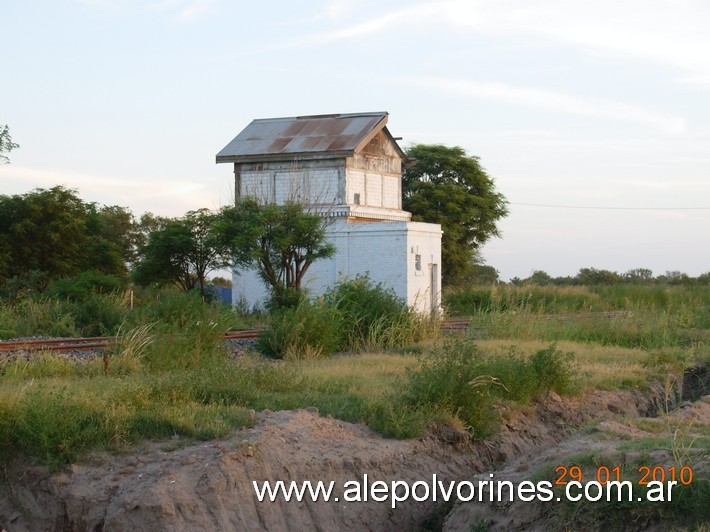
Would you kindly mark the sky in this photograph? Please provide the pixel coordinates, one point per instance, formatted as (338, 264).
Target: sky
(592, 117)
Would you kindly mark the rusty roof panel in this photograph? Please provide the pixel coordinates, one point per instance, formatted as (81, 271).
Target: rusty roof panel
(295, 128)
(341, 142)
(302, 135)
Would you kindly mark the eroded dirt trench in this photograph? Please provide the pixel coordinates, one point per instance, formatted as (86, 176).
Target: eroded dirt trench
(208, 486)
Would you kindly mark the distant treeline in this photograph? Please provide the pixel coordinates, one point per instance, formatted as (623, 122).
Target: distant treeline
(484, 274)
(593, 276)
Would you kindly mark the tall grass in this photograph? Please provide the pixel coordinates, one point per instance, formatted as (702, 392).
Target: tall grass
(355, 315)
(57, 420)
(642, 329)
(648, 317)
(569, 299)
(29, 317)
(308, 330)
(170, 373)
(462, 381)
(143, 387)
(373, 317)
(398, 395)
(605, 367)
(99, 314)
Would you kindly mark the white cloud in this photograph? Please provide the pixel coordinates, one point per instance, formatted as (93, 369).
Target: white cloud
(666, 31)
(384, 22)
(672, 32)
(183, 9)
(339, 9)
(194, 9)
(674, 185)
(551, 101)
(171, 198)
(702, 81)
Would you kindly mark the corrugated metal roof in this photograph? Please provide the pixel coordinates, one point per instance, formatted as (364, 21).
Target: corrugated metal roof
(323, 135)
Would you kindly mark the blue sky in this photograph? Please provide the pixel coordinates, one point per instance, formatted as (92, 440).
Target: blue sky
(602, 104)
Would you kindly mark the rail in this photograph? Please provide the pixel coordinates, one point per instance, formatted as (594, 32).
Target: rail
(105, 342)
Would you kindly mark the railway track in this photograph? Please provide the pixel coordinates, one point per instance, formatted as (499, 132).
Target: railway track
(105, 342)
(91, 344)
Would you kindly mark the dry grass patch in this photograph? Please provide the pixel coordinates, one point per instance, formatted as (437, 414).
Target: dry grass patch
(370, 375)
(604, 367)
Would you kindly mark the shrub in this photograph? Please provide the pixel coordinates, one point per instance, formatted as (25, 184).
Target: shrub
(29, 317)
(32, 282)
(284, 298)
(187, 332)
(442, 381)
(373, 317)
(468, 301)
(552, 370)
(306, 331)
(459, 380)
(97, 314)
(84, 286)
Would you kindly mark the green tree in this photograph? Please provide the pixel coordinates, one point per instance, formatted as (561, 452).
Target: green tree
(118, 225)
(148, 223)
(449, 187)
(280, 241)
(6, 144)
(221, 282)
(675, 278)
(593, 276)
(54, 232)
(182, 251)
(638, 275)
(482, 274)
(540, 278)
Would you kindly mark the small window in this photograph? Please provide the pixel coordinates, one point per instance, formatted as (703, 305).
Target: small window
(418, 262)
(356, 199)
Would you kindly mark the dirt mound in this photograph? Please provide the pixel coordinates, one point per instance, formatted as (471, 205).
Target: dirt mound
(208, 486)
(602, 441)
(696, 382)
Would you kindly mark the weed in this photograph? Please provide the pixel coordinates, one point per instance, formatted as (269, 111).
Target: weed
(130, 348)
(374, 318)
(460, 380)
(308, 330)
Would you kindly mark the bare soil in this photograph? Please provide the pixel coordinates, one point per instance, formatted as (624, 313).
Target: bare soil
(179, 485)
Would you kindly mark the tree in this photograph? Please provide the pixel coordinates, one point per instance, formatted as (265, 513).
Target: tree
(593, 276)
(540, 278)
(6, 144)
(674, 278)
(639, 276)
(449, 187)
(54, 232)
(222, 282)
(118, 225)
(482, 274)
(182, 251)
(148, 223)
(280, 241)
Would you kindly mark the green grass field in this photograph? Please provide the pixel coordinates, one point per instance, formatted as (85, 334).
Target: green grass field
(175, 376)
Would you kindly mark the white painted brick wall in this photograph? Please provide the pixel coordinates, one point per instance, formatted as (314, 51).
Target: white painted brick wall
(257, 185)
(384, 251)
(373, 185)
(311, 186)
(392, 194)
(355, 183)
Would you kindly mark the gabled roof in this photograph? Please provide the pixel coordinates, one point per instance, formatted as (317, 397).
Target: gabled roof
(324, 136)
